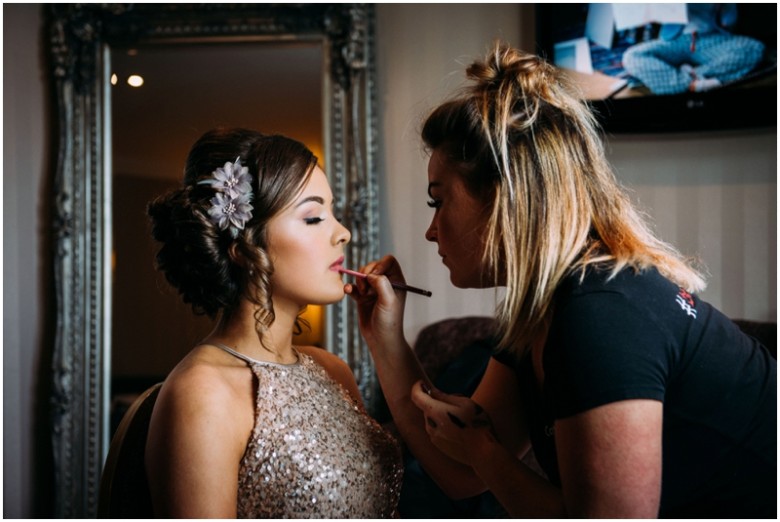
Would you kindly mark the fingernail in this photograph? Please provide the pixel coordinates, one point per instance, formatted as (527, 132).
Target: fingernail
(425, 387)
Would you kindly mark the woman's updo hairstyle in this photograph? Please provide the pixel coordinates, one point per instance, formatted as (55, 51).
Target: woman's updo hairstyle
(211, 269)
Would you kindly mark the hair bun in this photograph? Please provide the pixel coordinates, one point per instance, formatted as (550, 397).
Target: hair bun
(190, 248)
(505, 68)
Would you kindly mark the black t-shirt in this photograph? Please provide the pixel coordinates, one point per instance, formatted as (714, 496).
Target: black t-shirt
(639, 336)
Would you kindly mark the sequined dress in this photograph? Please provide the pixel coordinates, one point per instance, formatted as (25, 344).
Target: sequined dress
(313, 452)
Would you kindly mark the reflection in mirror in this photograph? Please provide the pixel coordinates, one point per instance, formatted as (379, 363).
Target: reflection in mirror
(187, 90)
(93, 208)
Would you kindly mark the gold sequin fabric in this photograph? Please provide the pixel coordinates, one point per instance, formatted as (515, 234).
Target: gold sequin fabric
(314, 453)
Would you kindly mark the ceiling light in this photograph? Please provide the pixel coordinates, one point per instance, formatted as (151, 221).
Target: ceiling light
(135, 80)
(113, 79)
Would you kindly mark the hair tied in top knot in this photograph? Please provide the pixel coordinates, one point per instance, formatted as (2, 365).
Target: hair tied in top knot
(230, 206)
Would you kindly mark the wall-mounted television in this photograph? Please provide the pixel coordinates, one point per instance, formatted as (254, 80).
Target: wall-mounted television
(667, 67)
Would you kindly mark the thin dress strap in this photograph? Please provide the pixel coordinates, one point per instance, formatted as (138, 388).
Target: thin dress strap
(251, 361)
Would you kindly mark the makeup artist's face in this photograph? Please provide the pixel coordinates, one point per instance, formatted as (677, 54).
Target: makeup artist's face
(306, 246)
(458, 224)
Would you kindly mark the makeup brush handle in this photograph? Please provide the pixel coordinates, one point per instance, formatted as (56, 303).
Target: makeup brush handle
(399, 286)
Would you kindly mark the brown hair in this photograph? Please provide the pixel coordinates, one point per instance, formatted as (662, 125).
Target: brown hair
(211, 269)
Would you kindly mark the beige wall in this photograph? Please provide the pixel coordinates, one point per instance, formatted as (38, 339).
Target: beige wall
(712, 194)
(27, 300)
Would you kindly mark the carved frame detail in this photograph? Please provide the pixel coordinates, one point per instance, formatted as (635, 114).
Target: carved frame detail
(80, 35)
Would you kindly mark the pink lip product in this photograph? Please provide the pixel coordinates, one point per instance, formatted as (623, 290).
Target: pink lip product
(399, 286)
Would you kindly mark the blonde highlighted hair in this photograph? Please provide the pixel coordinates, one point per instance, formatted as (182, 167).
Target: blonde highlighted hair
(518, 135)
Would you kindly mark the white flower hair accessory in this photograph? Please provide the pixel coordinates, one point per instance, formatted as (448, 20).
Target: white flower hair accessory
(230, 206)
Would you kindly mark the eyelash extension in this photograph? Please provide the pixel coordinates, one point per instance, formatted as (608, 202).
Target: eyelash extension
(434, 203)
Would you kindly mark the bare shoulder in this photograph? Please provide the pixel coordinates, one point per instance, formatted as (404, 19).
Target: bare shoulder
(338, 370)
(199, 430)
(196, 380)
(204, 389)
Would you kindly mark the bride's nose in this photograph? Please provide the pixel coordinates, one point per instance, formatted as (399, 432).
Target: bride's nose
(342, 235)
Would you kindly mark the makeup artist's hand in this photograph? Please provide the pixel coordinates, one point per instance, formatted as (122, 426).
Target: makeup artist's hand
(457, 426)
(380, 306)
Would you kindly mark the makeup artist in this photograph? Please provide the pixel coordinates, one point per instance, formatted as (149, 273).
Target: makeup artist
(248, 425)
(638, 398)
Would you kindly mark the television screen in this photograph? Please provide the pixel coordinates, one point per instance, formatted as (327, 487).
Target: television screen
(667, 67)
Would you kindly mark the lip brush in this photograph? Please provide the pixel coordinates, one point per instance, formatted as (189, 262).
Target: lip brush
(399, 286)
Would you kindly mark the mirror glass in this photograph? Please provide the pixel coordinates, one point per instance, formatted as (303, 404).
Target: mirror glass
(163, 98)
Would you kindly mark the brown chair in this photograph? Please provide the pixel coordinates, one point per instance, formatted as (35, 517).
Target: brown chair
(124, 490)
(440, 343)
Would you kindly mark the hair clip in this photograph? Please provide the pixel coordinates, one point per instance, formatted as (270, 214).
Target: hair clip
(230, 206)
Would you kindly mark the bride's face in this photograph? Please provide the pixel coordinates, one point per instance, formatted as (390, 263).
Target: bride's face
(306, 246)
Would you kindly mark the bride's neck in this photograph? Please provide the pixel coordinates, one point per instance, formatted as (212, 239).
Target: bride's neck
(237, 330)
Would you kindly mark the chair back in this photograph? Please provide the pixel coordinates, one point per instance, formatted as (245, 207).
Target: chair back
(442, 342)
(124, 489)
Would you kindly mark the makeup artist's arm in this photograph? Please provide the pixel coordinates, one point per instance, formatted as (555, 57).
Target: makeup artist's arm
(463, 430)
(609, 458)
(380, 310)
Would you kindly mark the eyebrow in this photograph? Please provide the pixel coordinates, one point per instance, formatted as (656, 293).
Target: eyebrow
(316, 199)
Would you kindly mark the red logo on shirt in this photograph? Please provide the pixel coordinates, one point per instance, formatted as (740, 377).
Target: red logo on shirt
(686, 302)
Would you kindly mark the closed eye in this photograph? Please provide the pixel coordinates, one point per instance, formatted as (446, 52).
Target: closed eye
(434, 203)
(313, 220)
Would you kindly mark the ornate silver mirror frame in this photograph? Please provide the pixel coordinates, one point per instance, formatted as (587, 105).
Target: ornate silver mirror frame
(81, 36)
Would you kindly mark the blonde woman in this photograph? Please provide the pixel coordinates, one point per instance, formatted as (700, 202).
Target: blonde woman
(248, 425)
(638, 398)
